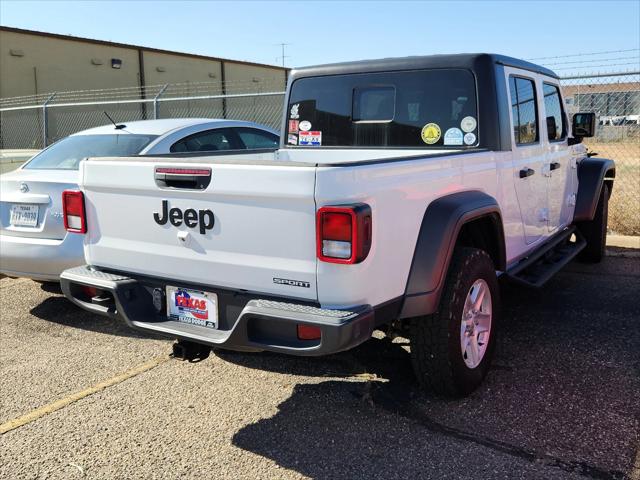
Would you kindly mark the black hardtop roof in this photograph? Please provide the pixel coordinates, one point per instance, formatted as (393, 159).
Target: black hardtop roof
(462, 60)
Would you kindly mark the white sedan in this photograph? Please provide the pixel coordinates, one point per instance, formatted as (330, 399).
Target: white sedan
(33, 240)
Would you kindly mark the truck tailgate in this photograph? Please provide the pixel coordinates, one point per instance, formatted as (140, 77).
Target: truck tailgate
(262, 237)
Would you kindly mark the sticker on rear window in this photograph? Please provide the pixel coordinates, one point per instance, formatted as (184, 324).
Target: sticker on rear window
(431, 133)
(469, 138)
(294, 111)
(313, 137)
(468, 124)
(453, 136)
(293, 126)
(292, 139)
(305, 125)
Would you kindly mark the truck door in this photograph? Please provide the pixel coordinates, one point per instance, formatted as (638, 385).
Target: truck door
(558, 164)
(528, 154)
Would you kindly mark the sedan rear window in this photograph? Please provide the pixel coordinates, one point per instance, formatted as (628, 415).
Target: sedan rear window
(68, 152)
(422, 108)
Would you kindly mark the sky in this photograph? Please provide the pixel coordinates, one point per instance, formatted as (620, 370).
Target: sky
(332, 31)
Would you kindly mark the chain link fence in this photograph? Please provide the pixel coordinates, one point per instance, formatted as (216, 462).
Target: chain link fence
(36, 121)
(615, 98)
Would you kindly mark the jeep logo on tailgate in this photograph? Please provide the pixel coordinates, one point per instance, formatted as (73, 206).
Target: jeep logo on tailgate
(202, 218)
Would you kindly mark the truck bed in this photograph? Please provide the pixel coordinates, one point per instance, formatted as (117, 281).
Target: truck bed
(265, 205)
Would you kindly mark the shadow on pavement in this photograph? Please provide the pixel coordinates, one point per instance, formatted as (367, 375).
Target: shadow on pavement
(57, 309)
(51, 287)
(563, 398)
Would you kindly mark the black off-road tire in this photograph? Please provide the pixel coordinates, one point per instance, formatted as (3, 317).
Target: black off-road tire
(436, 352)
(595, 231)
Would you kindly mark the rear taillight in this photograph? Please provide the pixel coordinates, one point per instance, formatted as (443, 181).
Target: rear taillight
(343, 233)
(75, 219)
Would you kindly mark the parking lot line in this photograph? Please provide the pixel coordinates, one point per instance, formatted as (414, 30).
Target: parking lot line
(63, 402)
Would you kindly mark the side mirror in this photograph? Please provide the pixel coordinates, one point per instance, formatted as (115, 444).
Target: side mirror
(584, 125)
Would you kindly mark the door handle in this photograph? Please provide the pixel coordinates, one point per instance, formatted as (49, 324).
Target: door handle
(526, 172)
(554, 166)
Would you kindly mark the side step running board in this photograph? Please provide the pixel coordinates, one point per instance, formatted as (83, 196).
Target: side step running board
(538, 268)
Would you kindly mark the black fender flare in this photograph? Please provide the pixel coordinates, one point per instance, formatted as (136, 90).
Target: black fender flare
(591, 176)
(441, 224)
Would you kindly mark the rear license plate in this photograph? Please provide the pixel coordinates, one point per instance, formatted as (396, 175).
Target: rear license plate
(192, 306)
(24, 215)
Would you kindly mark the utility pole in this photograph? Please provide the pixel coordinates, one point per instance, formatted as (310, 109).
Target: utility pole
(283, 56)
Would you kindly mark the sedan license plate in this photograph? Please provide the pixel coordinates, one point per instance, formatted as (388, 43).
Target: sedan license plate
(192, 306)
(24, 215)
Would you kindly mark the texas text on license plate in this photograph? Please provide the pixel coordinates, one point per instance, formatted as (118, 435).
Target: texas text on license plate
(24, 215)
(192, 306)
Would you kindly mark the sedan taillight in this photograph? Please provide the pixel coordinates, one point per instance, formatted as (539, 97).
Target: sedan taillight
(75, 219)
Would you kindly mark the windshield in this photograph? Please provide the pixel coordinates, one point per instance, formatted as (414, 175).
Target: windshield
(423, 108)
(68, 152)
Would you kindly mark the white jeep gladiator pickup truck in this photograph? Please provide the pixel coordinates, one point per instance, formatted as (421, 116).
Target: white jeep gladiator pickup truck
(400, 193)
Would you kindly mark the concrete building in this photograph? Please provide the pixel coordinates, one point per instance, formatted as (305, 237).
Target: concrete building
(36, 62)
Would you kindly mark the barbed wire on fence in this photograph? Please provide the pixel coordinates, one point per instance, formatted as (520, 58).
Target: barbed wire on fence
(142, 93)
(635, 57)
(609, 52)
(580, 63)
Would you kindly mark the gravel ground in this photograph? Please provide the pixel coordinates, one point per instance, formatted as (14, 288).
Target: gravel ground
(562, 401)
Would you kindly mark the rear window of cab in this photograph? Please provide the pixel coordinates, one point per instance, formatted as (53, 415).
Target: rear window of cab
(423, 108)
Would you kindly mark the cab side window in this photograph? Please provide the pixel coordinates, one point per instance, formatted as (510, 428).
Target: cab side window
(207, 141)
(556, 123)
(524, 109)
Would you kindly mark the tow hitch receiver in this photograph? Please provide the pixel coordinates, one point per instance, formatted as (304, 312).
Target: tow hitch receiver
(190, 351)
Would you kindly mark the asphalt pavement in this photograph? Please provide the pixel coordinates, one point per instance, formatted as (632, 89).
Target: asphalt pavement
(85, 397)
